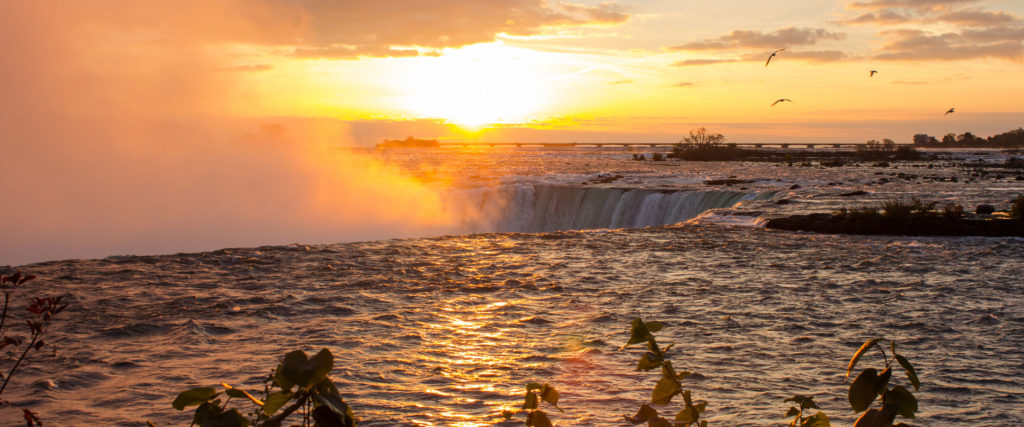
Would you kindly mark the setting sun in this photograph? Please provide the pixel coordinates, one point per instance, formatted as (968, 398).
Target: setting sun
(476, 85)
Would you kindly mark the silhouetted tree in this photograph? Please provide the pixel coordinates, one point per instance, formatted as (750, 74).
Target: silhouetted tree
(949, 139)
(701, 137)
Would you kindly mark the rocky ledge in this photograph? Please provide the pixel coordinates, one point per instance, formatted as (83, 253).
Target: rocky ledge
(918, 225)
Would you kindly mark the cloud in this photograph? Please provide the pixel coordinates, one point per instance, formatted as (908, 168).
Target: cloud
(342, 28)
(978, 18)
(355, 52)
(249, 67)
(702, 61)
(808, 56)
(743, 39)
(683, 84)
(905, 44)
(373, 28)
(885, 17)
(817, 55)
(919, 5)
(622, 82)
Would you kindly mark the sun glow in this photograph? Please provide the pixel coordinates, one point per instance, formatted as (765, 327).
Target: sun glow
(477, 85)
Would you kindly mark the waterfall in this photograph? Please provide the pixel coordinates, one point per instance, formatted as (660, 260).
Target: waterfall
(538, 208)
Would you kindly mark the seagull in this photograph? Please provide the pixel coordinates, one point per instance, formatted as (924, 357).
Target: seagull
(772, 55)
(873, 72)
(781, 100)
(949, 111)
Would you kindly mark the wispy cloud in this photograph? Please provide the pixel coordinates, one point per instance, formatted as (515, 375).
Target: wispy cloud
(744, 39)
(908, 44)
(684, 84)
(920, 5)
(703, 61)
(248, 67)
(976, 33)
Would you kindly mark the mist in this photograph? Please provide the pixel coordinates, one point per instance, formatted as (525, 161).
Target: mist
(119, 136)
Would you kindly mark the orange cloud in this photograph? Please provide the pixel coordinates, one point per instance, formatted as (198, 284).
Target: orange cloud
(742, 39)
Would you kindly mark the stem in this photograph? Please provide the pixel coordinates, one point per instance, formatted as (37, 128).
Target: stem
(35, 336)
(3, 317)
(884, 357)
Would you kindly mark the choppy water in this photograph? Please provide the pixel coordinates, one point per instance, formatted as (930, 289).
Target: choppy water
(446, 331)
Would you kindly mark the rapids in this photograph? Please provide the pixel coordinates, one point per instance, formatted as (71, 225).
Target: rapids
(448, 330)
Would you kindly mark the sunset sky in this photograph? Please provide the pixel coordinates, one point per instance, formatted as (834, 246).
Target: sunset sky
(153, 126)
(552, 70)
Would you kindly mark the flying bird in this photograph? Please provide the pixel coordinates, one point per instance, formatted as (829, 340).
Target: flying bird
(781, 100)
(873, 72)
(949, 111)
(772, 55)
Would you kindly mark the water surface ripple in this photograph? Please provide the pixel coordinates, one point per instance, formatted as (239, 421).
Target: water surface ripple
(446, 331)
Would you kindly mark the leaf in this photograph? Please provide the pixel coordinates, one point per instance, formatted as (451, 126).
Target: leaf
(232, 418)
(639, 332)
(237, 392)
(275, 401)
(860, 352)
(882, 383)
(645, 414)
(298, 370)
(325, 417)
(873, 418)
(654, 326)
(649, 361)
(338, 406)
(507, 414)
(659, 422)
(150, 424)
(797, 398)
(862, 390)
(550, 395)
(530, 402)
(664, 391)
(687, 416)
(904, 401)
(194, 396)
(911, 373)
(534, 386)
(538, 419)
(792, 412)
(816, 420)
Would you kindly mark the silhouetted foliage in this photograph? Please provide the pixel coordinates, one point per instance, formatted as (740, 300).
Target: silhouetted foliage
(871, 385)
(301, 384)
(804, 403)
(703, 145)
(1013, 138)
(536, 393)
(667, 387)
(43, 310)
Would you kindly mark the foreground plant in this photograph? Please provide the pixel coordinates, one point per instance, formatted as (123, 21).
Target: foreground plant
(302, 386)
(535, 393)
(871, 385)
(44, 310)
(804, 403)
(667, 387)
